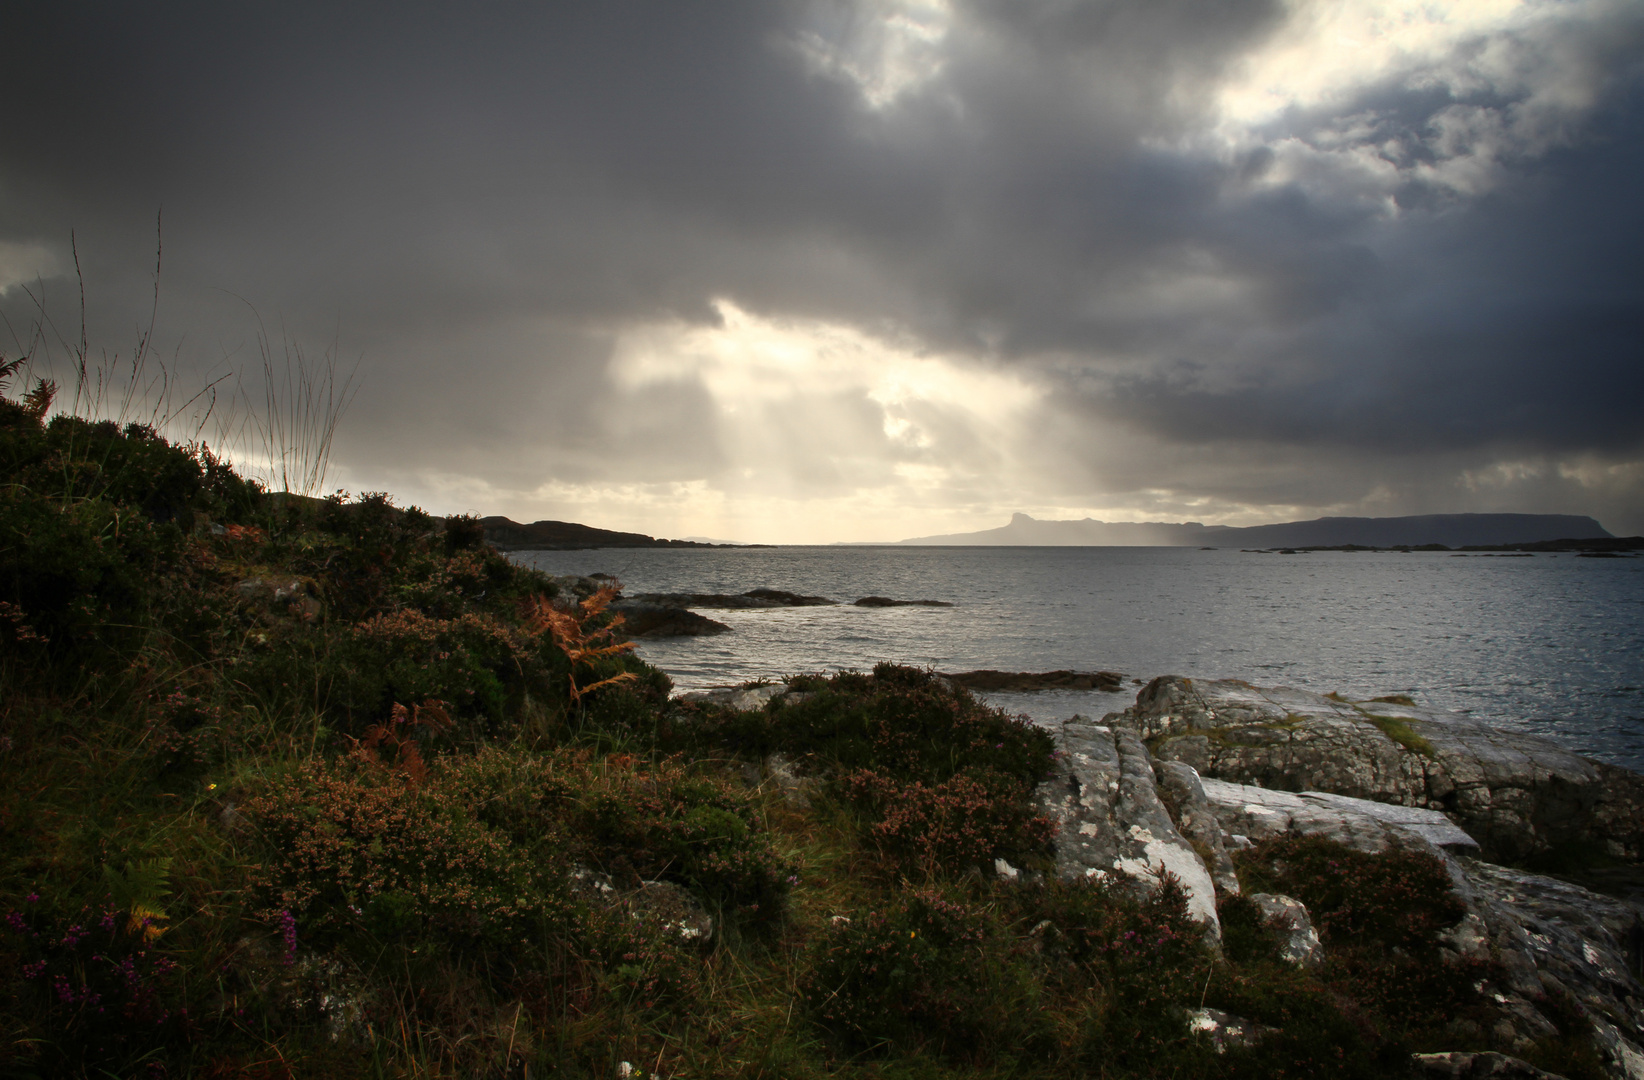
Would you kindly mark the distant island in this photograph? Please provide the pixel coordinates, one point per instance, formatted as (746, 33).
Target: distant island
(508, 535)
(1447, 530)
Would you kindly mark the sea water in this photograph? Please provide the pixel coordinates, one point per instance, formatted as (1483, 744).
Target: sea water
(1550, 644)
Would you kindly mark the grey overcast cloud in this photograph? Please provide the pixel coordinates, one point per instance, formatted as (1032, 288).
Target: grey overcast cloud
(812, 272)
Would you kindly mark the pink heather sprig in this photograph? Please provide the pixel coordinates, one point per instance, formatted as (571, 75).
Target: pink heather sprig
(288, 932)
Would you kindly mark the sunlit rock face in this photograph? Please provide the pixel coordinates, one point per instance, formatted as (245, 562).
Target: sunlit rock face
(1518, 795)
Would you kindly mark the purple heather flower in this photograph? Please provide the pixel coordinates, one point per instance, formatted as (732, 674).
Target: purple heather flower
(288, 931)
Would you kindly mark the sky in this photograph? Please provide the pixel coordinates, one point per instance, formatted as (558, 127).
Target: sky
(805, 272)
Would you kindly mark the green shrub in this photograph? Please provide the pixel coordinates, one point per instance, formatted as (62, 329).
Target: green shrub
(1395, 899)
(923, 972)
(408, 656)
(350, 846)
(644, 822)
(967, 820)
(907, 723)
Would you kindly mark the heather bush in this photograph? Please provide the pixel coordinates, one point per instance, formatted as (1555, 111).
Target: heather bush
(351, 846)
(644, 822)
(95, 986)
(1380, 917)
(922, 972)
(408, 656)
(1396, 899)
(643, 965)
(967, 820)
(908, 723)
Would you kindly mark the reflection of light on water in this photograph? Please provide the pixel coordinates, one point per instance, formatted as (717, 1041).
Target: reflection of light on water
(1510, 641)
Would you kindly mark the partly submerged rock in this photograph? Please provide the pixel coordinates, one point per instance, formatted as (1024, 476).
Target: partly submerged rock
(752, 599)
(647, 620)
(1020, 681)
(885, 601)
(1518, 795)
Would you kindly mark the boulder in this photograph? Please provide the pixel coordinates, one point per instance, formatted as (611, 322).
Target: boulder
(885, 601)
(293, 595)
(1557, 938)
(1223, 1029)
(1300, 943)
(1518, 795)
(657, 903)
(679, 913)
(1111, 821)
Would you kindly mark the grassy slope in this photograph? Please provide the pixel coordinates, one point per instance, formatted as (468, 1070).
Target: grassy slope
(297, 789)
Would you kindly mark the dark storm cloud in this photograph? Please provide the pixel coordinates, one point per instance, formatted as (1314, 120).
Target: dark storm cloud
(482, 202)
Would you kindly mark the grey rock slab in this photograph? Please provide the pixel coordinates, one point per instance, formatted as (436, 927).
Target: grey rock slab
(1516, 794)
(1184, 797)
(1111, 822)
(1430, 825)
(1556, 937)
(1261, 814)
(740, 698)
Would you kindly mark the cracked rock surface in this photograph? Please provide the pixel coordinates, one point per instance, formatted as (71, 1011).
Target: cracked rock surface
(1111, 820)
(1124, 814)
(1516, 794)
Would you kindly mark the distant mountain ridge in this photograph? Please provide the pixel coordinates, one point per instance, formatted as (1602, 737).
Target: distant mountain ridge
(509, 535)
(1450, 530)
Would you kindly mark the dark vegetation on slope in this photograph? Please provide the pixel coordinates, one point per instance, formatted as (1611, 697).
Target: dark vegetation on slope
(307, 788)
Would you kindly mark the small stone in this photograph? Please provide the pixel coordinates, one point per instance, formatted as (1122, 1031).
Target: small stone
(679, 913)
(1006, 871)
(1223, 1029)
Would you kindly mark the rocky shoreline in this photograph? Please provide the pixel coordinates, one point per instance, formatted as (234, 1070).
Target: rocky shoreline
(1168, 789)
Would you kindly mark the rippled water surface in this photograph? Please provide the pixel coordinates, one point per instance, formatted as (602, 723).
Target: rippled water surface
(1550, 643)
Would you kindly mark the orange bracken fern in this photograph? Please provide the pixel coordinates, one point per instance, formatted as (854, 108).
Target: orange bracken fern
(573, 632)
(399, 735)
